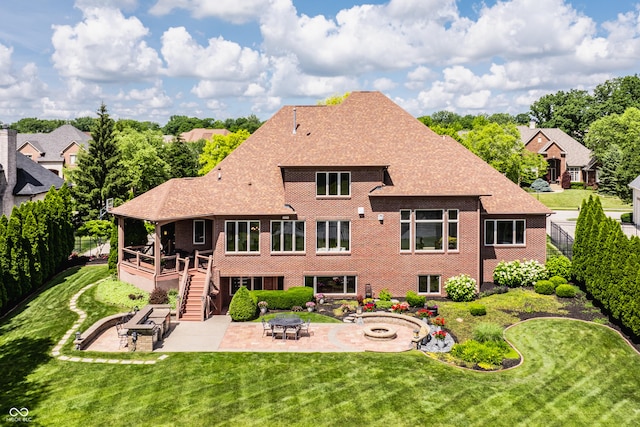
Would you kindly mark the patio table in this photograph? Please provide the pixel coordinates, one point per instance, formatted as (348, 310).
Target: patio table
(289, 322)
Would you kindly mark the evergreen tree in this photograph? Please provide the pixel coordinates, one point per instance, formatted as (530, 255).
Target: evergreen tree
(18, 285)
(97, 175)
(30, 240)
(113, 248)
(583, 225)
(4, 298)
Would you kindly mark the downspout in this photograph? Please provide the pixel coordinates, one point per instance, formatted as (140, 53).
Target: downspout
(120, 225)
(157, 255)
(481, 245)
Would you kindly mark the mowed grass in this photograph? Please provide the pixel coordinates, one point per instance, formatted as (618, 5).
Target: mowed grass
(572, 199)
(574, 374)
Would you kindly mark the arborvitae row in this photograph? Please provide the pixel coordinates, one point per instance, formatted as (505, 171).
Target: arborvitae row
(34, 241)
(606, 263)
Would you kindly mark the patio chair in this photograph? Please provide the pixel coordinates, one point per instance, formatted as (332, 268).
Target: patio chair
(266, 328)
(304, 328)
(292, 331)
(123, 334)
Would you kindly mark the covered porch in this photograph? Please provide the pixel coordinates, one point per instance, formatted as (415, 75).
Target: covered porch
(159, 264)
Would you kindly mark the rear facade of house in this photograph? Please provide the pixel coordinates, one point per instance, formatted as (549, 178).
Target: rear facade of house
(340, 198)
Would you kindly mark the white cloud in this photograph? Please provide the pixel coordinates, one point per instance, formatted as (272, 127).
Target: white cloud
(106, 47)
(474, 100)
(221, 59)
(235, 11)
(384, 84)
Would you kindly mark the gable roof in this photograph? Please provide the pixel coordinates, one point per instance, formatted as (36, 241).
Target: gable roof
(576, 153)
(54, 144)
(366, 129)
(635, 184)
(201, 133)
(33, 179)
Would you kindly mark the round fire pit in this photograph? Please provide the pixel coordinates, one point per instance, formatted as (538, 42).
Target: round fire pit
(380, 332)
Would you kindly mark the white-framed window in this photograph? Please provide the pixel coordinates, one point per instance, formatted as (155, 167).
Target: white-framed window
(423, 230)
(287, 236)
(575, 173)
(332, 236)
(405, 230)
(332, 284)
(251, 283)
(242, 236)
(333, 184)
(498, 232)
(429, 284)
(73, 158)
(199, 230)
(429, 229)
(452, 229)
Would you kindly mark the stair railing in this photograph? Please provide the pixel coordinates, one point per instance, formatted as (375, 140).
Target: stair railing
(183, 287)
(206, 299)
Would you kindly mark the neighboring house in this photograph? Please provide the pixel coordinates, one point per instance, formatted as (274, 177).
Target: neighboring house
(54, 150)
(200, 133)
(21, 179)
(562, 152)
(635, 188)
(335, 197)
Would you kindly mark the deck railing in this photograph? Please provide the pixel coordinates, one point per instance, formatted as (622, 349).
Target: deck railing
(183, 286)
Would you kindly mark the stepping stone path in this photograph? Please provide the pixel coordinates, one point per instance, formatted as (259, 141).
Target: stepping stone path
(56, 352)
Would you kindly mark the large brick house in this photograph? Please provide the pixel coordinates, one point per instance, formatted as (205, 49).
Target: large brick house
(335, 197)
(55, 150)
(562, 153)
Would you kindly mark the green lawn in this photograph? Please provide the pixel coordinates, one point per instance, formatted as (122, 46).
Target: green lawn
(572, 199)
(574, 374)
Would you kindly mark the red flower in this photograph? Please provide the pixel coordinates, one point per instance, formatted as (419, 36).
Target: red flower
(440, 335)
(439, 321)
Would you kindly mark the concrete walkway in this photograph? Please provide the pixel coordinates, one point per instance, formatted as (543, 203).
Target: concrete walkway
(195, 336)
(567, 221)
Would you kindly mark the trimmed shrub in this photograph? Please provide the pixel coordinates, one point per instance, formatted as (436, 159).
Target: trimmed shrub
(242, 306)
(383, 305)
(557, 281)
(461, 288)
(544, 287)
(566, 291)
(415, 300)
(541, 185)
(284, 300)
(158, 296)
(477, 310)
(519, 273)
(488, 352)
(578, 186)
(626, 217)
(487, 331)
(384, 295)
(559, 266)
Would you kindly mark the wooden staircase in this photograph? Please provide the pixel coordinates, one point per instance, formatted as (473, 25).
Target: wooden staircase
(193, 310)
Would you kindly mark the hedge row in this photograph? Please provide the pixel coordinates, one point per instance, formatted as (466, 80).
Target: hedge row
(284, 300)
(34, 242)
(606, 263)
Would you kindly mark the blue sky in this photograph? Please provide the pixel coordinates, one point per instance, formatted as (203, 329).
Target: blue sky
(150, 59)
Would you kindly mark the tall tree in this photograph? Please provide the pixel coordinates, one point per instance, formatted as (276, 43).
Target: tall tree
(615, 142)
(502, 148)
(182, 158)
(140, 161)
(570, 111)
(97, 175)
(219, 147)
(616, 95)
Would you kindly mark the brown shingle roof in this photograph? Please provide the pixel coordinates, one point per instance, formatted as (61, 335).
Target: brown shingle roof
(201, 133)
(367, 129)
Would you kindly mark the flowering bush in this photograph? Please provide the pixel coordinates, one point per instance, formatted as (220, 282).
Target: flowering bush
(519, 273)
(461, 288)
(310, 304)
(424, 313)
(400, 307)
(439, 321)
(368, 307)
(263, 304)
(440, 335)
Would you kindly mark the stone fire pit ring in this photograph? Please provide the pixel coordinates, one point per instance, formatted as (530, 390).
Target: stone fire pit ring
(380, 332)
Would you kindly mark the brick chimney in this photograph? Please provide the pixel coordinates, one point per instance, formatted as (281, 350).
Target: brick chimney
(8, 171)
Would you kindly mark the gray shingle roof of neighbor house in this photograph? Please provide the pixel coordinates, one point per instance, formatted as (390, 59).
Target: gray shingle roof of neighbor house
(366, 129)
(635, 184)
(53, 144)
(577, 155)
(33, 179)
